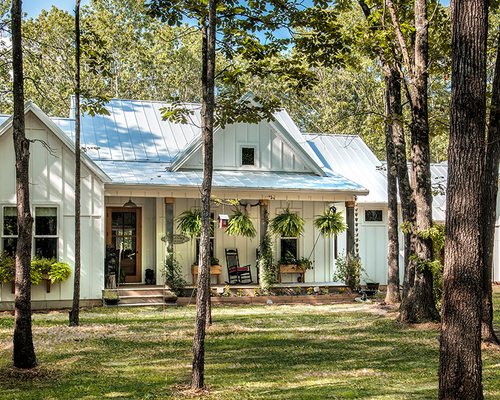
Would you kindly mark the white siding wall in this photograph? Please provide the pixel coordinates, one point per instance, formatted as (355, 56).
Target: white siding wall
(373, 245)
(271, 152)
(52, 184)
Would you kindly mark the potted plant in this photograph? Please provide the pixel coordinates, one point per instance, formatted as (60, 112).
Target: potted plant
(240, 224)
(330, 223)
(110, 297)
(189, 223)
(287, 224)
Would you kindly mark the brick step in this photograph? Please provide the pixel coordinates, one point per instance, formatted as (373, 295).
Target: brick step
(141, 292)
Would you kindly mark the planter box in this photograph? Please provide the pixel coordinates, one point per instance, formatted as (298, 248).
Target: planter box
(292, 269)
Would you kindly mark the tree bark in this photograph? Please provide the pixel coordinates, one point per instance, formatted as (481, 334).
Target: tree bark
(24, 352)
(418, 301)
(460, 348)
(489, 201)
(207, 115)
(404, 187)
(392, 295)
(74, 314)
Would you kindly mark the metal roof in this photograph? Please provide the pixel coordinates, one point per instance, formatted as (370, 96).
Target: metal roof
(135, 131)
(153, 173)
(349, 156)
(3, 118)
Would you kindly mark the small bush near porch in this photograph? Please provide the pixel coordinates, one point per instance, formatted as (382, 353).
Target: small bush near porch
(301, 352)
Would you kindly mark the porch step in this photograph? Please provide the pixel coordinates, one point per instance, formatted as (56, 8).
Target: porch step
(145, 296)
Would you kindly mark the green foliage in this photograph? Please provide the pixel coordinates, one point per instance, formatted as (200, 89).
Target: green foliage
(330, 223)
(40, 269)
(110, 294)
(189, 223)
(59, 271)
(348, 269)
(7, 268)
(268, 270)
(287, 224)
(240, 224)
(172, 271)
(436, 233)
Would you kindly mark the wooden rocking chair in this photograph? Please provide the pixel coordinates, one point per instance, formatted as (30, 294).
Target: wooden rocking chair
(237, 273)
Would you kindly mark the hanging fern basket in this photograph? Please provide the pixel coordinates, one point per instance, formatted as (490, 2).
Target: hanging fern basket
(287, 224)
(189, 223)
(240, 224)
(330, 223)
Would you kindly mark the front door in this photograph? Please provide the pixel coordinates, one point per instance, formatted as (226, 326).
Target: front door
(123, 233)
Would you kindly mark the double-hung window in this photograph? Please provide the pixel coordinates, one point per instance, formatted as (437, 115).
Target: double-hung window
(46, 236)
(9, 230)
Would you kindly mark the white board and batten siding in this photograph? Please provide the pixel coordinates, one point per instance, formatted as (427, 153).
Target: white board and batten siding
(52, 185)
(271, 152)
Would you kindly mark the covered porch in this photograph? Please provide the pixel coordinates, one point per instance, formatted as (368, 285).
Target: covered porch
(141, 221)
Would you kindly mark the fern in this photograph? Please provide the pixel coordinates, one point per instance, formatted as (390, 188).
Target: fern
(189, 223)
(287, 224)
(240, 224)
(330, 223)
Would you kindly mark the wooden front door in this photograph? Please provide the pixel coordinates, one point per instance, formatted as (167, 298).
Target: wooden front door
(123, 231)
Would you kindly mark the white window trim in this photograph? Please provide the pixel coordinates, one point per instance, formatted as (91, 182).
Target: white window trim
(374, 222)
(255, 148)
(58, 226)
(2, 236)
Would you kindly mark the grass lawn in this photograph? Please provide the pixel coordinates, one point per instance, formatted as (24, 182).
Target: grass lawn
(301, 352)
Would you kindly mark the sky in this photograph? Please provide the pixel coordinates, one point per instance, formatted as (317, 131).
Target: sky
(33, 7)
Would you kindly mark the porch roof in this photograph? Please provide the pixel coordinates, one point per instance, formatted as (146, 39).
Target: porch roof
(156, 173)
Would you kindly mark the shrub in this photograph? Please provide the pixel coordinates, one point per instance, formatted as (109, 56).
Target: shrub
(7, 268)
(174, 278)
(348, 270)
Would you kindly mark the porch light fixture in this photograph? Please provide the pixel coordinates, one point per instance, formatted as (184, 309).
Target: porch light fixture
(130, 204)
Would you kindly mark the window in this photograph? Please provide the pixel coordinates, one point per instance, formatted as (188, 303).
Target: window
(9, 230)
(373, 216)
(289, 249)
(247, 156)
(46, 232)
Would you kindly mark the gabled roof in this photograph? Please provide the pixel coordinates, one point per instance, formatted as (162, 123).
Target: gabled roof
(29, 106)
(284, 126)
(349, 156)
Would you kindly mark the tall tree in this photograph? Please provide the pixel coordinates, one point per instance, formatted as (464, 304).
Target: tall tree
(488, 205)
(207, 130)
(460, 347)
(392, 102)
(418, 303)
(74, 314)
(24, 351)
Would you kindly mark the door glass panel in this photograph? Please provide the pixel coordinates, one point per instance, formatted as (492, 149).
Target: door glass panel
(123, 235)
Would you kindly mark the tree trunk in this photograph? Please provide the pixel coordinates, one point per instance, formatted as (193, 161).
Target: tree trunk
(74, 314)
(404, 187)
(24, 352)
(392, 295)
(419, 305)
(207, 115)
(460, 349)
(489, 201)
